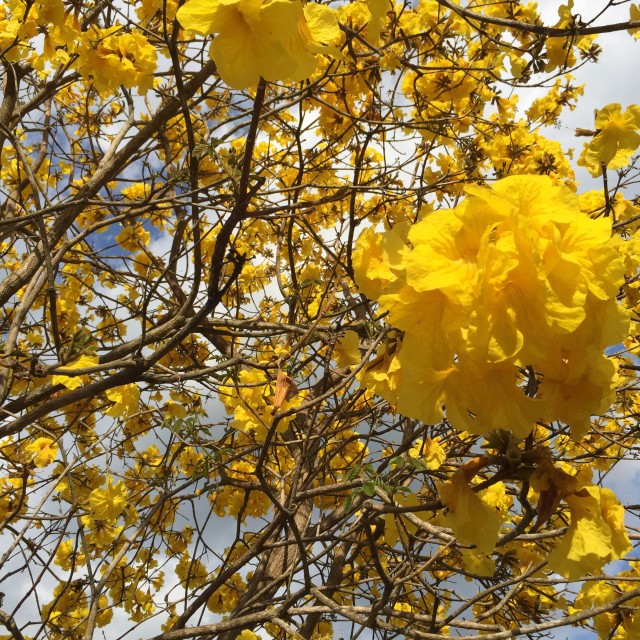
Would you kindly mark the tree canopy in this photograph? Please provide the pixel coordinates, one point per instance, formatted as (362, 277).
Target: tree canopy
(308, 330)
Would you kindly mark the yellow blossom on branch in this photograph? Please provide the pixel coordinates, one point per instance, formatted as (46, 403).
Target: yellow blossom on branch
(111, 57)
(616, 139)
(634, 16)
(472, 519)
(507, 303)
(277, 40)
(378, 10)
(43, 450)
(108, 503)
(126, 400)
(347, 351)
(430, 452)
(73, 382)
(596, 534)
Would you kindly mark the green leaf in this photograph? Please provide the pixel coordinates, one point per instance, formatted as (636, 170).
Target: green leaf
(348, 503)
(369, 489)
(352, 473)
(200, 149)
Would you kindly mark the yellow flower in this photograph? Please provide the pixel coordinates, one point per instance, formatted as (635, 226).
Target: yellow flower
(67, 556)
(131, 238)
(404, 607)
(616, 140)
(634, 16)
(347, 352)
(317, 24)
(376, 259)
(276, 40)
(378, 10)
(472, 520)
(192, 572)
(225, 599)
(430, 452)
(477, 563)
(73, 382)
(596, 534)
(107, 504)
(507, 303)
(100, 533)
(111, 58)
(125, 399)
(44, 451)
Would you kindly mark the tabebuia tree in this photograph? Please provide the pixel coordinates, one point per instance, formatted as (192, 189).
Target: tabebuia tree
(308, 330)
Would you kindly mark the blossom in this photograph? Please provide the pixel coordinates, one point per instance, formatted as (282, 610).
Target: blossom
(378, 10)
(616, 139)
(73, 382)
(596, 534)
(376, 259)
(107, 504)
(634, 16)
(126, 400)
(430, 452)
(43, 450)
(506, 304)
(112, 58)
(347, 351)
(67, 556)
(276, 40)
(472, 519)
(191, 571)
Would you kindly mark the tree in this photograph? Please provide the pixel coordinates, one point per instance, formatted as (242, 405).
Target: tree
(306, 329)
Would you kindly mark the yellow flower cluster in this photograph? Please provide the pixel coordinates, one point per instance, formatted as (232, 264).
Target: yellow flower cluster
(112, 58)
(474, 518)
(133, 585)
(623, 623)
(234, 501)
(596, 534)
(251, 403)
(103, 505)
(68, 612)
(276, 40)
(429, 451)
(225, 599)
(506, 304)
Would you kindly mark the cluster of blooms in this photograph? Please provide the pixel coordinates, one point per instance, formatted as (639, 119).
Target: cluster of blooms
(251, 404)
(277, 40)
(69, 610)
(112, 58)
(506, 304)
(623, 624)
(596, 533)
(20, 21)
(233, 501)
(108, 57)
